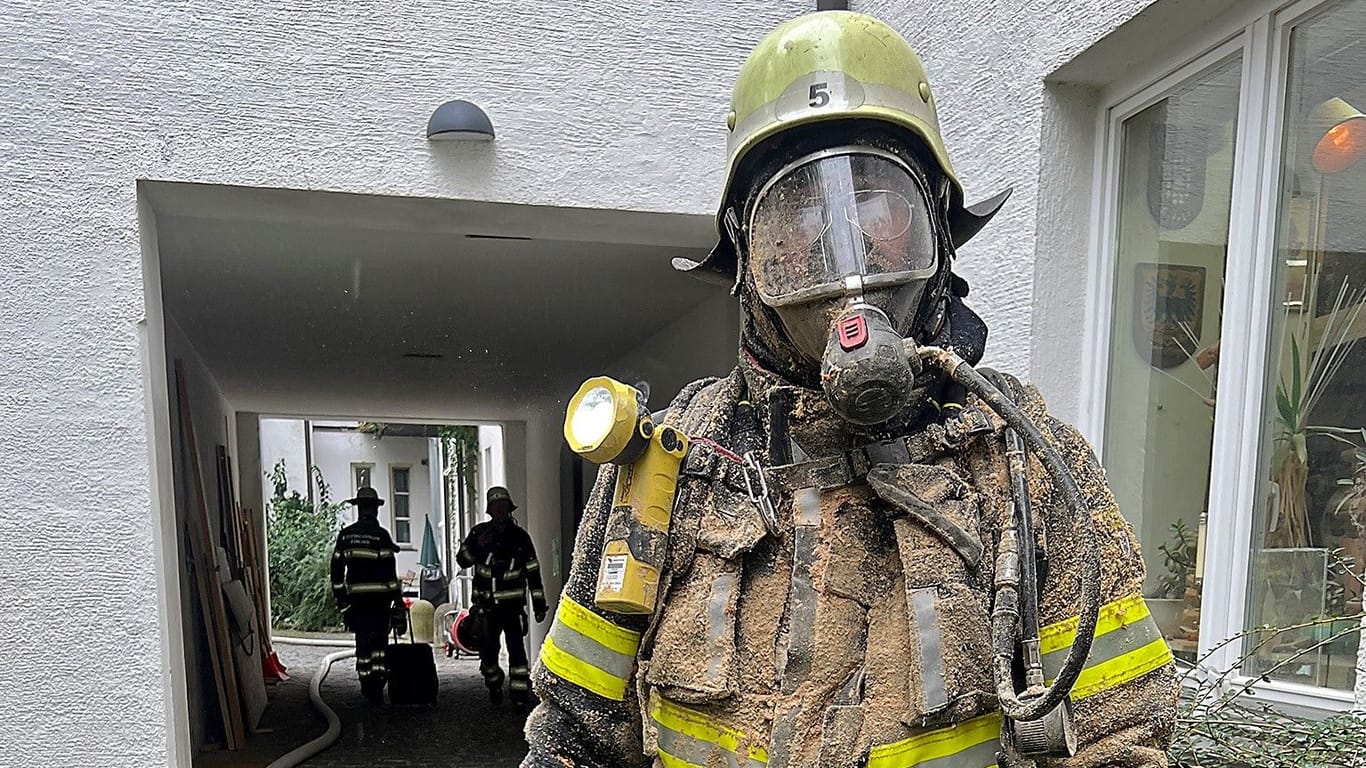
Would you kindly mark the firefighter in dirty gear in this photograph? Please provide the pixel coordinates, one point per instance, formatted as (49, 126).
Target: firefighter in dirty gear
(505, 565)
(367, 590)
(843, 561)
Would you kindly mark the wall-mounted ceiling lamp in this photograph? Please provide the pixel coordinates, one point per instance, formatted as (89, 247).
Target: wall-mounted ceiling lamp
(1340, 129)
(459, 121)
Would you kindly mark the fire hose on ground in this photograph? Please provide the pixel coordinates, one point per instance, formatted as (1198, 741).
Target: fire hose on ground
(303, 752)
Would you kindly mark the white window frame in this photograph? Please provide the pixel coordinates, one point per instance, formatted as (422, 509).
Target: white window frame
(394, 494)
(358, 465)
(1262, 34)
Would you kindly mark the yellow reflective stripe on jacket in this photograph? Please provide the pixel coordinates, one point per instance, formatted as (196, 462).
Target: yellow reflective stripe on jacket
(589, 651)
(1127, 645)
(361, 589)
(969, 744)
(690, 739)
(365, 553)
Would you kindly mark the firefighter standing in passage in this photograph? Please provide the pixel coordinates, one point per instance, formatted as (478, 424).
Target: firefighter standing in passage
(505, 565)
(367, 590)
(863, 568)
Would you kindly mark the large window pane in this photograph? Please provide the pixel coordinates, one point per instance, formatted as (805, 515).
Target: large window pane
(1312, 517)
(1176, 180)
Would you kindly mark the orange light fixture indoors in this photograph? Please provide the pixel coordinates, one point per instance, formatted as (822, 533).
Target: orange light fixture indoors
(1343, 142)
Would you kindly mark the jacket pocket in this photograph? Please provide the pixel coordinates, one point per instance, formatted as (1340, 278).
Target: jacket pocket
(694, 655)
(950, 670)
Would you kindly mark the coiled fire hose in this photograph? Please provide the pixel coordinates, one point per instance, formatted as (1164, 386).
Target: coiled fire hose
(1038, 700)
(310, 749)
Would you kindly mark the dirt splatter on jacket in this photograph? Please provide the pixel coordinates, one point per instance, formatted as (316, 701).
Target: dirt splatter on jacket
(857, 633)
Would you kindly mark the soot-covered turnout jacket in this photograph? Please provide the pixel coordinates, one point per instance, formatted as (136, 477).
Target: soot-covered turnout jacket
(856, 632)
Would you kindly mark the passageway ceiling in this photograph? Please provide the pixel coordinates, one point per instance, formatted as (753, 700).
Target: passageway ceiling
(327, 303)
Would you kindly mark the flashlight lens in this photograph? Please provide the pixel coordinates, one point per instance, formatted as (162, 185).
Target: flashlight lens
(594, 417)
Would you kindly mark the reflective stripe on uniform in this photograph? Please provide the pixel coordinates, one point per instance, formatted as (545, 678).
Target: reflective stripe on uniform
(589, 651)
(533, 566)
(690, 739)
(1127, 645)
(512, 575)
(483, 570)
(509, 594)
(364, 589)
(365, 553)
(969, 744)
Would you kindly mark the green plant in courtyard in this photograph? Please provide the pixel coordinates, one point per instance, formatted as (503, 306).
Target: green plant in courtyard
(300, 537)
(1221, 722)
(1178, 556)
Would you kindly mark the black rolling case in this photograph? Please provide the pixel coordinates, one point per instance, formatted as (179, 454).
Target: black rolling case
(412, 672)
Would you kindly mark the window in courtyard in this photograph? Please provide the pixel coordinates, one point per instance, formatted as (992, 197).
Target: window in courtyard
(1309, 547)
(1176, 178)
(403, 523)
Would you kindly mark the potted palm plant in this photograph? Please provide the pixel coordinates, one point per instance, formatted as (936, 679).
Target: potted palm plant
(1312, 365)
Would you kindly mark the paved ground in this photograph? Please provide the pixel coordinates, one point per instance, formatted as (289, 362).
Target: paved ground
(462, 731)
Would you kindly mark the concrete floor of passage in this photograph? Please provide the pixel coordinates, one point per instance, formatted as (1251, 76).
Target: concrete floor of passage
(463, 730)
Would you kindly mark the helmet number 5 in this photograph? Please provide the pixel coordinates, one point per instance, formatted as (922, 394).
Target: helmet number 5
(820, 94)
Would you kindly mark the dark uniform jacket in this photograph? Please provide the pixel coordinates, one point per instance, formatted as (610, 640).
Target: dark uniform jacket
(504, 565)
(364, 574)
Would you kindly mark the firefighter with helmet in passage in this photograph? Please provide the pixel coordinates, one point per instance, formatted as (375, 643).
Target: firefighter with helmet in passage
(367, 590)
(878, 555)
(505, 567)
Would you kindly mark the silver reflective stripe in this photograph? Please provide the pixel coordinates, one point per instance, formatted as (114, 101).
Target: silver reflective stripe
(509, 594)
(360, 589)
(926, 618)
(512, 574)
(519, 685)
(533, 566)
(363, 553)
(1108, 646)
(798, 644)
(698, 752)
(720, 626)
(971, 743)
(483, 570)
(538, 594)
(339, 585)
(590, 651)
(981, 756)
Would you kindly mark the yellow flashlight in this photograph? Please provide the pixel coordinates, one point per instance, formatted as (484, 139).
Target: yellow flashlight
(606, 422)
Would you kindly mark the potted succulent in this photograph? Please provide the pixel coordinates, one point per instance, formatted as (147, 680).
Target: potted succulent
(1178, 557)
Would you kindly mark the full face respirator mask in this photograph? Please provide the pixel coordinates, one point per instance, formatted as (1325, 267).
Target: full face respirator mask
(843, 247)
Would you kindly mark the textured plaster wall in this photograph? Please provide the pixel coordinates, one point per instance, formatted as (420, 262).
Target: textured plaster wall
(608, 104)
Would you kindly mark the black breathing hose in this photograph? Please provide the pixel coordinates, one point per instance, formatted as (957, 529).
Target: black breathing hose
(1006, 611)
(1024, 534)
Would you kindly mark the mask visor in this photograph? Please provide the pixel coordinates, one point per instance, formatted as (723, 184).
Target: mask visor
(838, 222)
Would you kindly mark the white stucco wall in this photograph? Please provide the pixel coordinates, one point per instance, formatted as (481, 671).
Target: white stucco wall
(284, 440)
(603, 105)
(335, 452)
